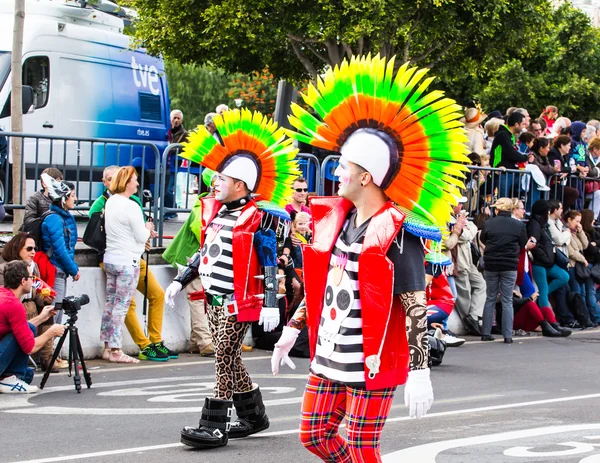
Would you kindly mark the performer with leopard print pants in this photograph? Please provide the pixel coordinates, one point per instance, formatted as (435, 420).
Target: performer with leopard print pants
(365, 304)
(237, 260)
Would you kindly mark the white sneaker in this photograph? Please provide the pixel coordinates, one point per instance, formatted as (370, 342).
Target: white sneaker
(543, 188)
(453, 341)
(14, 385)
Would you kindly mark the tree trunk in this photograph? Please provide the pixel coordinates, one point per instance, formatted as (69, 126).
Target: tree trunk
(16, 111)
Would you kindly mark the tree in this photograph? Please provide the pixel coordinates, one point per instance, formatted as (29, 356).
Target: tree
(562, 70)
(257, 91)
(196, 90)
(297, 39)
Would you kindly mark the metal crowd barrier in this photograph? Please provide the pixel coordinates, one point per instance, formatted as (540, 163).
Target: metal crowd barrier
(82, 161)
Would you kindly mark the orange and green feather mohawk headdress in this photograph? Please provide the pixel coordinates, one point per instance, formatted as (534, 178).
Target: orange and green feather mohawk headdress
(253, 135)
(364, 93)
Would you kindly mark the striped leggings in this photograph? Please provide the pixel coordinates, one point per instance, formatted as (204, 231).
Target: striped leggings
(324, 407)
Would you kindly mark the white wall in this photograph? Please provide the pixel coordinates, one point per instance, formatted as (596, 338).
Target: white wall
(176, 321)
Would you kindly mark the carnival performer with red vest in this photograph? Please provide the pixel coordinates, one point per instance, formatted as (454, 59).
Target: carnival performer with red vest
(402, 152)
(237, 260)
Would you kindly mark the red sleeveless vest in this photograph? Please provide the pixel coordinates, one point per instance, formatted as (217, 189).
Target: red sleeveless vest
(384, 319)
(245, 260)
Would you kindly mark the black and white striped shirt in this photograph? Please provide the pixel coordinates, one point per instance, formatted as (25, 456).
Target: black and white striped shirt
(216, 260)
(339, 354)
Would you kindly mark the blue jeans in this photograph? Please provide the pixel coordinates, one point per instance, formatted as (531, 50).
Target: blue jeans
(548, 280)
(505, 188)
(587, 289)
(13, 361)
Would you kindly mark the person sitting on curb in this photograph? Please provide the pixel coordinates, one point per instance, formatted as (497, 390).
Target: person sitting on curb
(17, 336)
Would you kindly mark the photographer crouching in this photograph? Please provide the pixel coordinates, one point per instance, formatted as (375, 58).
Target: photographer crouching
(17, 336)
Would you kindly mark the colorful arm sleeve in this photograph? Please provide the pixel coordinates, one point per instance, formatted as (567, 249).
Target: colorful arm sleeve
(415, 305)
(298, 320)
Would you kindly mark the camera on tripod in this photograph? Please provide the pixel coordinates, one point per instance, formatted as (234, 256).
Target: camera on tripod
(72, 304)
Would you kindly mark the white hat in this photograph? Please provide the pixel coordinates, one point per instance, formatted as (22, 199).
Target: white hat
(373, 150)
(242, 167)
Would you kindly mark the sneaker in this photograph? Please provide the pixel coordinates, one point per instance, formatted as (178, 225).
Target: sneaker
(543, 188)
(453, 341)
(153, 354)
(160, 346)
(14, 385)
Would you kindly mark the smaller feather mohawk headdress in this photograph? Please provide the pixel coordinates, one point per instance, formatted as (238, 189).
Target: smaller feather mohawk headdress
(254, 150)
(411, 142)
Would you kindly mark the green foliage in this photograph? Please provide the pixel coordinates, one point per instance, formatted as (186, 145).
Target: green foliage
(562, 70)
(505, 52)
(257, 91)
(196, 91)
(297, 39)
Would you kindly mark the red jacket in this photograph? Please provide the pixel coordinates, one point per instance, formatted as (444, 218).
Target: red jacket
(245, 260)
(384, 319)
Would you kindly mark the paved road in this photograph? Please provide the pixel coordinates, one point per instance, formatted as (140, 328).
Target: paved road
(534, 401)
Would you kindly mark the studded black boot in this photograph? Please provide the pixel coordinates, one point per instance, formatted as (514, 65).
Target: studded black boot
(250, 410)
(213, 428)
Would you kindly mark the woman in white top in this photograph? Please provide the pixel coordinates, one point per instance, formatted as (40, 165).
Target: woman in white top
(126, 236)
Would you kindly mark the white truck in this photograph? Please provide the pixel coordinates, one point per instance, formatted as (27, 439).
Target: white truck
(86, 81)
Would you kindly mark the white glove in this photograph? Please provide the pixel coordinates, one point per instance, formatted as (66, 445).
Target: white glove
(418, 393)
(269, 318)
(171, 292)
(283, 348)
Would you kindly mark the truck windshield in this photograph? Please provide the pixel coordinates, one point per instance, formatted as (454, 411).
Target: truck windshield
(4, 66)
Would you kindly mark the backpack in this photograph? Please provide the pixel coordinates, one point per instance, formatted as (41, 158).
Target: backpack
(95, 232)
(578, 307)
(34, 227)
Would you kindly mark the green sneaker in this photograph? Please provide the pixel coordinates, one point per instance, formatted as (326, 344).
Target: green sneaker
(153, 354)
(160, 346)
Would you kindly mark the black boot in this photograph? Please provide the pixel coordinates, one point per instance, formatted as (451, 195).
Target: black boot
(548, 330)
(564, 332)
(251, 414)
(213, 428)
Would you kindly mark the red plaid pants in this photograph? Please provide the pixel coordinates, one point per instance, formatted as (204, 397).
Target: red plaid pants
(324, 407)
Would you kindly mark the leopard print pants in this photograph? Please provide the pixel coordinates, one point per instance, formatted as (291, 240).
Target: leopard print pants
(227, 333)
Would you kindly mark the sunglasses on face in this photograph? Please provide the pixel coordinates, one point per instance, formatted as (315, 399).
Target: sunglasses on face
(30, 277)
(31, 248)
(301, 190)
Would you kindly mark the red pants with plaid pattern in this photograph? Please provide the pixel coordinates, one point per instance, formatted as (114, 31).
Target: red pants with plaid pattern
(324, 407)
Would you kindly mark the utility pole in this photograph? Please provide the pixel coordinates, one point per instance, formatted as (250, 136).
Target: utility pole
(16, 113)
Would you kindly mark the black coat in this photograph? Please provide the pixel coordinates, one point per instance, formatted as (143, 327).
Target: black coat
(503, 237)
(503, 152)
(543, 253)
(592, 253)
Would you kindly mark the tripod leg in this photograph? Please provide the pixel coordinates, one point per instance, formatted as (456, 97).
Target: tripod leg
(74, 357)
(86, 375)
(54, 357)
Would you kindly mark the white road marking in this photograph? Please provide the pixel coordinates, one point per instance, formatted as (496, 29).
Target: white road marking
(427, 453)
(393, 457)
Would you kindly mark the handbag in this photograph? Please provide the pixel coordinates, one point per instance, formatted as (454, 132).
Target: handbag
(476, 254)
(95, 232)
(560, 258)
(595, 273)
(591, 186)
(582, 272)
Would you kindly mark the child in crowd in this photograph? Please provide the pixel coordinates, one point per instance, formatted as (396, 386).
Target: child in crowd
(301, 230)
